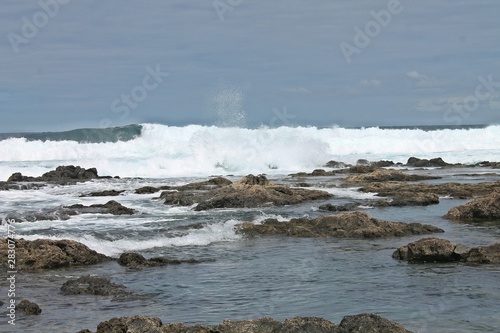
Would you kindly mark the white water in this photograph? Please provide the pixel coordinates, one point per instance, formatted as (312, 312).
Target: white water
(166, 151)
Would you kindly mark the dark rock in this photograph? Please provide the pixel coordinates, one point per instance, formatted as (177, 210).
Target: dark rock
(50, 254)
(382, 164)
(369, 323)
(208, 184)
(410, 199)
(361, 169)
(423, 163)
(136, 261)
(336, 165)
(454, 190)
(339, 208)
(106, 193)
(383, 175)
(147, 190)
(256, 191)
(362, 323)
(485, 207)
(344, 225)
(139, 324)
(363, 161)
(110, 207)
(65, 174)
(442, 250)
(92, 285)
(28, 308)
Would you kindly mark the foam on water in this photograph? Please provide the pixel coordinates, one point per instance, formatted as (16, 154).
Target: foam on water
(194, 150)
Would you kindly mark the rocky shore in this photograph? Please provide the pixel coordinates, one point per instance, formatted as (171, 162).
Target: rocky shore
(362, 323)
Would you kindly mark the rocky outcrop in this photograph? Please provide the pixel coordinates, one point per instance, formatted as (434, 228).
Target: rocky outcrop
(106, 193)
(384, 175)
(362, 323)
(485, 207)
(249, 192)
(344, 225)
(200, 186)
(50, 254)
(423, 163)
(93, 285)
(28, 308)
(442, 250)
(65, 174)
(136, 261)
(454, 190)
(110, 207)
(65, 212)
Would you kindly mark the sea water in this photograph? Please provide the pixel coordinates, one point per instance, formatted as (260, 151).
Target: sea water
(240, 277)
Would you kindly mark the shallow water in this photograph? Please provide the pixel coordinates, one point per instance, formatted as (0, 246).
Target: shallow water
(243, 278)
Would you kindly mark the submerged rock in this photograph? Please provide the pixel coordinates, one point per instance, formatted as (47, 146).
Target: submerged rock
(136, 261)
(28, 308)
(106, 193)
(362, 323)
(423, 163)
(442, 250)
(50, 254)
(344, 225)
(110, 207)
(92, 285)
(485, 207)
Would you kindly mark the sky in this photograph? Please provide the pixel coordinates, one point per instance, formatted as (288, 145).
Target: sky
(67, 64)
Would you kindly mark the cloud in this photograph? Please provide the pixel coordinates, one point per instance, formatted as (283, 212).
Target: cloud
(458, 103)
(419, 80)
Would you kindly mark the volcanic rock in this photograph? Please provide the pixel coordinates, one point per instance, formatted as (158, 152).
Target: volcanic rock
(362, 323)
(65, 174)
(136, 261)
(383, 175)
(442, 250)
(50, 254)
(485, 207)
(344, 225)
(92, 285)
(28, 308)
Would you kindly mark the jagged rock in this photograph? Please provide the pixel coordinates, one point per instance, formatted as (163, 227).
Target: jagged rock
(92, 285)
(336, 165)
(362, 323)
(256, 191)
(410, 199)
(49, 254)
(485, 207)
(63, 174)
(137, 261)
(442, 250)
(106, 193)
(383, 175)
(208, 184)
(369, 323)
(423, 163)
(455, 190)
(344, 225)
(147, 190)
(28, 308)
(110, 207)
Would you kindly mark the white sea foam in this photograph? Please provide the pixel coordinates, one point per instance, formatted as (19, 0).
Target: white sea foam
(211, 233)
(167, 151)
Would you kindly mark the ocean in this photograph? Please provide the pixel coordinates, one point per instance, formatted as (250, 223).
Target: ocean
(239, 277)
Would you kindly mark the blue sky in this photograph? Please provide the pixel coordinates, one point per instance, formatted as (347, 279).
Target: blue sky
(67, 64)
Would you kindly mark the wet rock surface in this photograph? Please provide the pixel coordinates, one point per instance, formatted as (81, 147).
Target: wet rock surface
(384, 175)
(442, 250)
(344, 225)
(424, 163)
(485, 207)
(249, 192)
(362, 323)
(51, 254)
(28, 308)
(93, 285)
(137, 261)
(64, 174)
(106, 193)
(110, 207)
